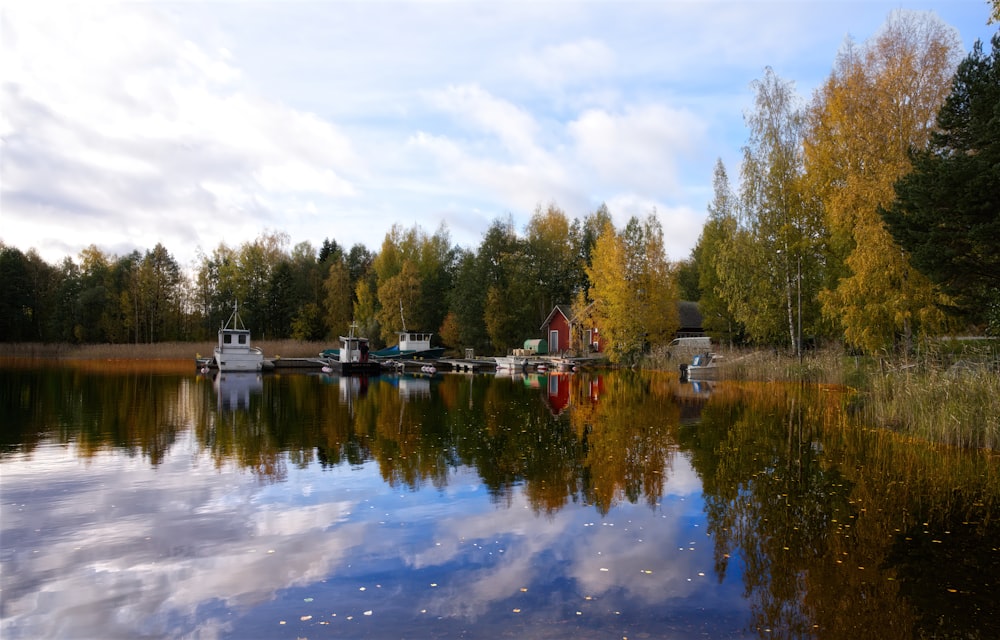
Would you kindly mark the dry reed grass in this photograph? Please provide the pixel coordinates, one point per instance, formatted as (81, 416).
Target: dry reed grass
(958, 406)
(158, 351)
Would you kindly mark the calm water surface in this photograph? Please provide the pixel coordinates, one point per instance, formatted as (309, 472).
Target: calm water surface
(141, 501)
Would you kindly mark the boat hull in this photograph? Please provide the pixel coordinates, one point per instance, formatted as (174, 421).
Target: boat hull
(353, 368)
(395, 354)
(251, 360)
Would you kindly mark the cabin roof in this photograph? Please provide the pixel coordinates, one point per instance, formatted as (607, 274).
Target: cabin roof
(564, 309)
(690, 315)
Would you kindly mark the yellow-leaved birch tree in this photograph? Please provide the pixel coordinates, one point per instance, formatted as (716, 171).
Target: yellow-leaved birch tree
(633, 290)
(879, 103)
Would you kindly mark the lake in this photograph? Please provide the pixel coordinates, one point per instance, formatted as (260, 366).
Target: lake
(144, 500)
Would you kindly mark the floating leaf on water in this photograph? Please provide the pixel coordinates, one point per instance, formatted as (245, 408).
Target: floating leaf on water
(369, 612)
(517, 611)
(304, 618)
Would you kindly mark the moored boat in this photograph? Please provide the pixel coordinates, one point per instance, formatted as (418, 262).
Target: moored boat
(511, 362)
(703, 366)
(353, 355)
(412, 345)
(234, 351)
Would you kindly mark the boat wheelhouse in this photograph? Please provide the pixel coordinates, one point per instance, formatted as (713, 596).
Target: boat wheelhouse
(352, 357)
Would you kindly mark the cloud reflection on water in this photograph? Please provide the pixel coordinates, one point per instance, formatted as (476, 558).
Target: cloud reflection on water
(187, 548)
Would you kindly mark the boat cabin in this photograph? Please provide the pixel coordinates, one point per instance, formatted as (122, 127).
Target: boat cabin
(353, 348)
(413, 341)
(234, 339)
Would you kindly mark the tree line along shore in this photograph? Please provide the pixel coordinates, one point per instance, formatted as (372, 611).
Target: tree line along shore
(863, 220)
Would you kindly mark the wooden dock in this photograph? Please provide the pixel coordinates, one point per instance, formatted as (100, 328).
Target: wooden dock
(282, 364)
(472, 365)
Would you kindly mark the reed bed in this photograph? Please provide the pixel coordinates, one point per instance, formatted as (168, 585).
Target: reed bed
(958, 406)
(948, 393)
(157, 351)
(823, 366)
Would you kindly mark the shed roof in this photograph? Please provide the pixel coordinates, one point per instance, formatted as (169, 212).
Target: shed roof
(564, 309)
(690, 314)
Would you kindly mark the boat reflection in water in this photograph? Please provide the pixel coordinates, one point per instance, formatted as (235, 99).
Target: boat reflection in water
(233, 389)
(590, 505)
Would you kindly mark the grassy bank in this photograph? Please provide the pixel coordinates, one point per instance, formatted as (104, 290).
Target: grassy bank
(949, 392)
(158, 351)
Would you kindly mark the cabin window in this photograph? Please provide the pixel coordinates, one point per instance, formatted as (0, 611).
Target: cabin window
(243, 338)
(227, 339)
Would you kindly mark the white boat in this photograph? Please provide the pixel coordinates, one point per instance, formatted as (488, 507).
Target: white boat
(353, 355)
(703, 366)
(410, 345)
(512, 363)
(234, 352)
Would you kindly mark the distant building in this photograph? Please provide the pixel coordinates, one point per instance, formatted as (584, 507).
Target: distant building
(691, 320)
(564, 331)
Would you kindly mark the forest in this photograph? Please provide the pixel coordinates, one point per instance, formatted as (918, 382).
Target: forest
(867, 215)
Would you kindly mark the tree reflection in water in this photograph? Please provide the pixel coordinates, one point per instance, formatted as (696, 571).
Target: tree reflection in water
(840, 530)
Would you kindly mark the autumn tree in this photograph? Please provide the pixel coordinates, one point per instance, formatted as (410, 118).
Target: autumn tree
(395, 295)
(946, 214)
(338, 301)
(586, 238)
(878, 105)
(506, 271)
(719, 229)
(761, 265)
(632, 289)
(549, 245)
(365, 309)
(423, 290)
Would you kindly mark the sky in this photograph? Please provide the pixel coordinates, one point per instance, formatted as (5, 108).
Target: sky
(193, 124)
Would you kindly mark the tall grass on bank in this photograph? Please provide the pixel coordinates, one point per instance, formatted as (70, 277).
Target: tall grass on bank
(958, 406)
(158, 351)
(948, 393)
(823, 366)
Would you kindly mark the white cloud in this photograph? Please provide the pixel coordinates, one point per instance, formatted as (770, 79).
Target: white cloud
(189, 123)
(120, 127)
(639, 148)
(485, 114)
(568, 63)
